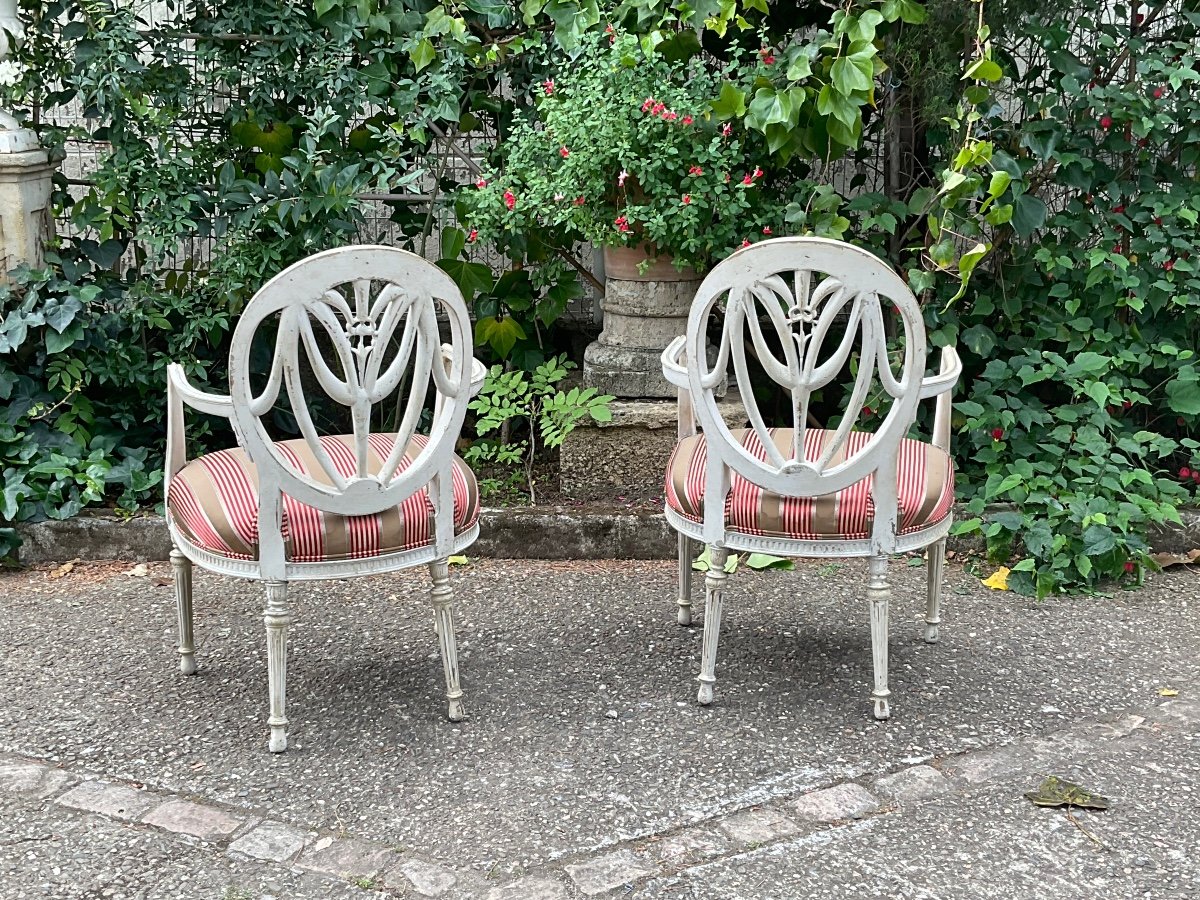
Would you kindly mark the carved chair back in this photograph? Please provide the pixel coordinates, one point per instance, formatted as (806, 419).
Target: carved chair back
(805, 305)
(360, 324)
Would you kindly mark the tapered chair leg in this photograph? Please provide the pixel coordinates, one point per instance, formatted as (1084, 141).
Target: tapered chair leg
(933, 595)
(686, 550)
(277, 619)
(182, 566)
(879, 593)
(442, 597)
(714, 590)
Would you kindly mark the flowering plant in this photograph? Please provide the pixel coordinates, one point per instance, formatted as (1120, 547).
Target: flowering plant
(624, 149)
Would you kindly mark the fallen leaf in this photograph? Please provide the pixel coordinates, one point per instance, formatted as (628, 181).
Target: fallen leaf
(998, 580)
(62, 570)
(1177, 559)
(700, 564)
(766, 561)
(1168, 692)
(141, 570)
(1055, 791)
(457, 560)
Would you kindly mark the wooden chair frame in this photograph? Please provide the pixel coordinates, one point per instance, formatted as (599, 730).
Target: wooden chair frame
(330, 294)
(774, 280)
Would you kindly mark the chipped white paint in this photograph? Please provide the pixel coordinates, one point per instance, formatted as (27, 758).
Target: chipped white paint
(376, 310)
(803, 287)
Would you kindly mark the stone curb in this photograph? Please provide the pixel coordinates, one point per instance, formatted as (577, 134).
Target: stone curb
(561, 532)
(608, 872)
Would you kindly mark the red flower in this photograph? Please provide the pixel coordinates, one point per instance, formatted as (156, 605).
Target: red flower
(726, 129)
(767, 56)
(1185, 473)
(997, 434)
(1128, 404)
(757, 172)
(481, 183)
(474, 234)
(1196, 477)
(766, 229)
(1169, 265)
(687, 198)
(1158, 92)
(622, 223)
(727, 178)
(564, 152)
(746, 242)
(1119, 209)
(670, 116)
(687, 120)
(748, 180)
(510, 199)
(1106, 122)
(648, 104)
(868, 412)
(1139, 19)
(657, 108)
(578, 201)
(1129, 566)
(1158, 220)
(549, 86)
(695, 170)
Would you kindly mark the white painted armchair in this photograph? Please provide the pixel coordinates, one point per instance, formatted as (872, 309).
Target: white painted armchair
(360, 324)
(810, 309)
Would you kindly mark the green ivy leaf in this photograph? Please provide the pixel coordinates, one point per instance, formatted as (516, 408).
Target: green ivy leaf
(1029, 214)
(423, 54)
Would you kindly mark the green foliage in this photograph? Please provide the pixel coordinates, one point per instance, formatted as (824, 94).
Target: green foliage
(535, 404)
(1083, 398)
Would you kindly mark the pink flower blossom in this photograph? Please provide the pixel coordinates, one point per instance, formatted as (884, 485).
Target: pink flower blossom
(687, 120)
(687, 198)
(748, 180)
(564, 152)
(727, 129)
(510, 199)
(578, 201)
(549, 86)
(757, 172)
(558, 198)
(621, 178)
(657, 108)
(481, 183)
(670, 116)
(746, 242)
(727, 178)
(622, 223)
(474, 234)
(648, 104)
(766, 229)
(695, 170)
(768, 57)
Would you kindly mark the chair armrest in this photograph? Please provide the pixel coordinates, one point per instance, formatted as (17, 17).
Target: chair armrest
(478, 370)
(213, 404)
(180, 392)
(941, 386)
(673, 367)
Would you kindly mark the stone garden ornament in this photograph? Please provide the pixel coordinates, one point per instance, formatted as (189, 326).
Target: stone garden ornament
(360, 325)
(809, 309)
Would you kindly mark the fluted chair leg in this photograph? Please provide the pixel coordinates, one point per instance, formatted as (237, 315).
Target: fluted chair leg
(879, 592)
(933, 595)
(277, 619)
(714, 590)
(182, 567)
(686, 550)
(442, 597)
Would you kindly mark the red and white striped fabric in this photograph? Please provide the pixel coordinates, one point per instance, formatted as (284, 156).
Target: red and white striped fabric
(213, 500)
(925, 490)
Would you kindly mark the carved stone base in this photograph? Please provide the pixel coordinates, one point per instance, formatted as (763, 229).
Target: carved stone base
(26, 220)
(627, 457)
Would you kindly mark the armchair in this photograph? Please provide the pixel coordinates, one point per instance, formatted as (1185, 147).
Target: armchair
(360, 324)
(805, 490)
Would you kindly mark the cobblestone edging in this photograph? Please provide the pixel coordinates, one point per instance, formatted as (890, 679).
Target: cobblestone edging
(584, 532)
(252, 835)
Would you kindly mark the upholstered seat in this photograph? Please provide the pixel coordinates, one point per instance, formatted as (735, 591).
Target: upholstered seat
(924, 487)
(213, 501)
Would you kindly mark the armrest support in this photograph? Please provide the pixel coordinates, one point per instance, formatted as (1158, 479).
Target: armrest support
(675, 371)
(942, 387)
(181, 392)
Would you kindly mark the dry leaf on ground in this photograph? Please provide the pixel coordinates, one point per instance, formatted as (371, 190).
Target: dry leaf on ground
(998, 580)
(141, 570)
(1192, 557)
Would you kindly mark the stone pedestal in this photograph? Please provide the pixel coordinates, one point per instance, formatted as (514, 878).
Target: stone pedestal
(627, 457)
(643, 312)
(26, 220)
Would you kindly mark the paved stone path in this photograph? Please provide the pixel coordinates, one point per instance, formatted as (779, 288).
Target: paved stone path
(93, 804)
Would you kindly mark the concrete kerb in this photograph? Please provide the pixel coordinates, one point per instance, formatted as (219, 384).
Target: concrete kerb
(560, 532)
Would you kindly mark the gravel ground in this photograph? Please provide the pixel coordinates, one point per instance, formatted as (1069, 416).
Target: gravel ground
(583, 731)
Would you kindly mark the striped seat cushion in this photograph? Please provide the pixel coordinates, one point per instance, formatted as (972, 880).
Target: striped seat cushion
(925, 489)
(214, 501)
